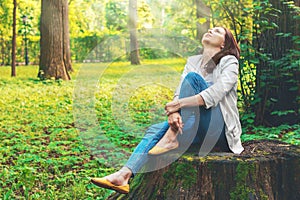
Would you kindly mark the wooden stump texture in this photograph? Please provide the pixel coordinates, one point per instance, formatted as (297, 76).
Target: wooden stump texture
(267, 170)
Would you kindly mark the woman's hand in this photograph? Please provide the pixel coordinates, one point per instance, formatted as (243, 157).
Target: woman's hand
(172, 107)
(175, 122)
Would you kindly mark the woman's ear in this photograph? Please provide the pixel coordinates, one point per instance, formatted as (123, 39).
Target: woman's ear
(223, 45)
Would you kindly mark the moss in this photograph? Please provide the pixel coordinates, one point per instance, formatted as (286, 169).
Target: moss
(214, 158)
(184, 172)
(263, 196)
(242, 190)
(188, 158)
(244, 173)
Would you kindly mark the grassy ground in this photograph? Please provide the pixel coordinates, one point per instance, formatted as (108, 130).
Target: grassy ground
(45, 150)
(55, 135)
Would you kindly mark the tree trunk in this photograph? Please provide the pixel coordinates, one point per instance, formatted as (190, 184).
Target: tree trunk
(14, 43)
(54, 59)
(66, 40)
(202, 12)
(274, 83)
(132, 24)
(265, 170)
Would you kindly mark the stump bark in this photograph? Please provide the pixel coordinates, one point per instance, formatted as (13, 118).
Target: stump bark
(265, 170)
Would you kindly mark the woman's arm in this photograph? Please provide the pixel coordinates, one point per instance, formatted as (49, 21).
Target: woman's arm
(215, 93)
(177, 104)
(226, 81)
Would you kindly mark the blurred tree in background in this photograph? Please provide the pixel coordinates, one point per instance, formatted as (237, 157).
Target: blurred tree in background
(267, 31)
(55, 61)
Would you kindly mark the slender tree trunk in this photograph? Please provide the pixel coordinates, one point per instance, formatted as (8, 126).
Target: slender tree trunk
(2, 50)
(54, 58)
(203, 11)
(132, 24)
(14, 44)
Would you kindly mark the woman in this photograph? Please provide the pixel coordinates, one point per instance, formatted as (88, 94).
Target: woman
(204, 106)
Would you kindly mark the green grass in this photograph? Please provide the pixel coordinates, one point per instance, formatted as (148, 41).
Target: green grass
(55, 135)
(43, 152)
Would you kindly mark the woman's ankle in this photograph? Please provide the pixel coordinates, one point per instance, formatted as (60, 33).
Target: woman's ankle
(120, 177)
(172, 135)
(125, 172)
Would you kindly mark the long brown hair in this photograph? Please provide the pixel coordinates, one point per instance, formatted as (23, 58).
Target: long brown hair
(230, 48)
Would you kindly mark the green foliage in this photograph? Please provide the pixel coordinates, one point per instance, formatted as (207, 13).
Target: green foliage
(285, 133)
(116, 15)
(145, 16)
(93, 22)
(35, 116)
(41, 154)
(31, 9)
(44, 156)
(277, 81)
(269, 68)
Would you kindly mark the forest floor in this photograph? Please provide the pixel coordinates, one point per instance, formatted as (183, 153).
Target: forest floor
(43, 153)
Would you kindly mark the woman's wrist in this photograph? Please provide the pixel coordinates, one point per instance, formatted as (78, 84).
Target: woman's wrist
(179, 103)
(195, 100)
(200, 100)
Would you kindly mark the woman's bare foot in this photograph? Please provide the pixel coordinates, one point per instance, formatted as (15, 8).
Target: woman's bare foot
(120, 177)
(166, 143)
(169, 140)
(117, 181)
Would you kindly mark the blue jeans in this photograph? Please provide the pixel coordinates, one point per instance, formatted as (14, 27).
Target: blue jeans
(198, 122)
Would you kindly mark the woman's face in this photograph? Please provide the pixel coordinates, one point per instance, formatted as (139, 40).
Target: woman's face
(214, 37)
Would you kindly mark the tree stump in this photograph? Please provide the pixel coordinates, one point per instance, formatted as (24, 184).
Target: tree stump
(265, 170)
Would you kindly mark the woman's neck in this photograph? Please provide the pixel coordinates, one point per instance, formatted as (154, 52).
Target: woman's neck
(208, 53)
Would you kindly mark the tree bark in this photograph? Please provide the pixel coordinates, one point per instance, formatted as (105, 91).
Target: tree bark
(265, 170)
(132, 24)
(66, 40)
(55, 51)
(14, 43)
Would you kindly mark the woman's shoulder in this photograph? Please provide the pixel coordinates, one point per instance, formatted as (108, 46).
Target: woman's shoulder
(229, 59)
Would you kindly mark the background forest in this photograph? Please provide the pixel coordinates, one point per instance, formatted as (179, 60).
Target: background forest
(46, 153)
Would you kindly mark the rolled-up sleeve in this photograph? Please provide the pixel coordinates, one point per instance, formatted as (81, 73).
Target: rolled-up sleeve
(225, 81)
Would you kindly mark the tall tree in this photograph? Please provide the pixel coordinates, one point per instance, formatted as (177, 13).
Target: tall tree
(132, 24)
(55, 59)
(14, 43)
(277, 83)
